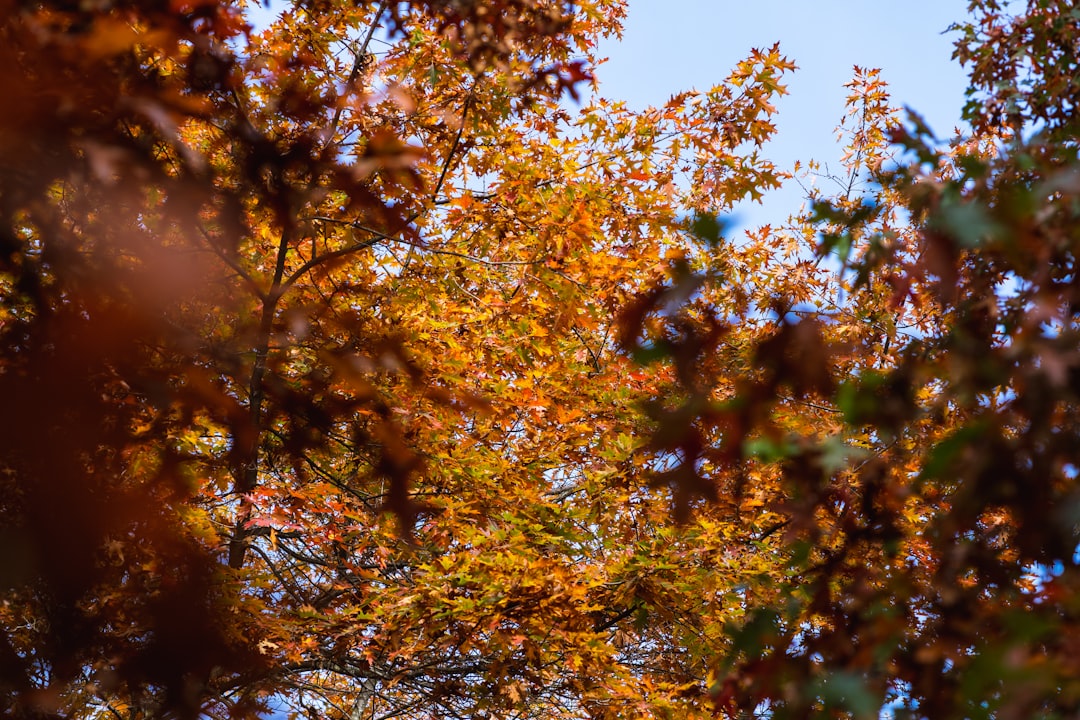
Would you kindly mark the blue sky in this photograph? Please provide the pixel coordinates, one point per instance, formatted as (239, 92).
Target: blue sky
(673, 45)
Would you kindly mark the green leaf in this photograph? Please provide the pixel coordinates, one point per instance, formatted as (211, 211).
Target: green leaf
(848, 691)
(942, 455)
(757, 634)
(837, 455)
(968, 222)
(708, 227)
(857, 399)
(768, 450)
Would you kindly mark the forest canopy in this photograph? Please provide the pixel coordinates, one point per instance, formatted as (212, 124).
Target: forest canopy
(352, 372)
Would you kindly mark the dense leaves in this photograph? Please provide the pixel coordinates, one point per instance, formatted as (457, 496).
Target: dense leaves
(351, 372)
(931, 521)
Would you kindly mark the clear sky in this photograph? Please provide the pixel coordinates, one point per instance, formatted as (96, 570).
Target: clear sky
(673, 45)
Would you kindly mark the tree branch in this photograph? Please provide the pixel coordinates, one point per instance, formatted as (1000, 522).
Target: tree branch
(247, 475)
(358, 64)
(454, 145)
(607, 624)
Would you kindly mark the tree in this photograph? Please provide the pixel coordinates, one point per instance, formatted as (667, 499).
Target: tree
(354, 374)
(927, 497)
(260, 288)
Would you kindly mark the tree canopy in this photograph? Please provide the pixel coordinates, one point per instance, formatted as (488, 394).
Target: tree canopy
(352, 372)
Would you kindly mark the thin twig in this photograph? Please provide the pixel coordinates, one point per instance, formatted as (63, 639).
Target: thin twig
(233, 265)
(358, 64)
(592, 355)
(455, 144)
(378, 235)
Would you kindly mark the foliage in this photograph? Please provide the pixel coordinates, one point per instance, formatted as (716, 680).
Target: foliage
(354, 373)
(930, 512)
(247, 309)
